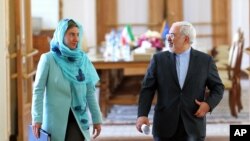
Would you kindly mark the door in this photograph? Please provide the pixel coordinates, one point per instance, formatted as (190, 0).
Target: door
(21, 66)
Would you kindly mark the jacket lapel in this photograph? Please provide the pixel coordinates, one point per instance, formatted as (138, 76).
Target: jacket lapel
(173, 68)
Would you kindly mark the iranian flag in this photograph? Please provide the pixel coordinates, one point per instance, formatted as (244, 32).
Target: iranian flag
(127, 36)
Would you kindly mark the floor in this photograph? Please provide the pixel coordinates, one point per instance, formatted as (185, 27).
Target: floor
(217, 128)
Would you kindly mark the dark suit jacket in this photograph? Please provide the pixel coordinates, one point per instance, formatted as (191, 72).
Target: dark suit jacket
(174, 102)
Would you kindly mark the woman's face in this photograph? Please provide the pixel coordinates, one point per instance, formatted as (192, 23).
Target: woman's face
(71, 37)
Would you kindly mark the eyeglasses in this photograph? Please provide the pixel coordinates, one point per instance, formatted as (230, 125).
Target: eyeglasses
(170, 35)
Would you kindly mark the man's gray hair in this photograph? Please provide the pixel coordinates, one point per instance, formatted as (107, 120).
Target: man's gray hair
(186, 28)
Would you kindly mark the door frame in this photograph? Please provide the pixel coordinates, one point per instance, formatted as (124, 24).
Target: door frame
(4, 100)
(20, 55)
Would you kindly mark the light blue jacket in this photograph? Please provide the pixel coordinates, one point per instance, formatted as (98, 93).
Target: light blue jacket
(52, 100)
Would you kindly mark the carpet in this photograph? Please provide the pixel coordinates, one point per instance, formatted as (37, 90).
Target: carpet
(127, 114)
(121, 114)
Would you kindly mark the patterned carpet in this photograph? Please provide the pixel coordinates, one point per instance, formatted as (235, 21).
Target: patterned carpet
(127, 115)
(120, 123)
(121, 114)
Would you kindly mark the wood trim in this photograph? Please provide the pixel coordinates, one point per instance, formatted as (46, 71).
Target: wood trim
(106, 84)
(20, 122)
(23, 45)
(120, 65)
(28, 76)
(106, 12)
(20, 92)
(29, 49)
(229, 21)
(220, 14)
(60, 15)
(209, 23)
(31, 54)
(174, 11)
(13, 25)
(156, 13)
(210, 36)
(134, 24)
(247, 50)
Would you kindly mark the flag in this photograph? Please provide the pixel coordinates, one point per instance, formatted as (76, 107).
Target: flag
(127, 35)
(165, 31)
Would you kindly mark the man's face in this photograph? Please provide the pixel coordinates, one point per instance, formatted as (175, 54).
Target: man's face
(71, 37)
(176, 40)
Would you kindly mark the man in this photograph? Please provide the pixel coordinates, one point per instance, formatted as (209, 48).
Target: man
(180, 77)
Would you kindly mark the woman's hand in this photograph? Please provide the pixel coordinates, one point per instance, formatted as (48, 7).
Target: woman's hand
(36, 129)
(96, 130)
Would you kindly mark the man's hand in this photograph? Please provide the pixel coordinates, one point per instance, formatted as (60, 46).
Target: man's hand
(36, 129)
(203, 109)
(96, 130)
(141, 120)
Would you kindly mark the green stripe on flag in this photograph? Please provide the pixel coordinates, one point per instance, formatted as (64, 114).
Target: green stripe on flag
(130, 34)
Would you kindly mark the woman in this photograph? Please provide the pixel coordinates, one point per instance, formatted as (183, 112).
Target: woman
(65, 87)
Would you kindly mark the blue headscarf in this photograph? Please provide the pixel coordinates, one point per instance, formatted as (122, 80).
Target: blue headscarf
(74, 63)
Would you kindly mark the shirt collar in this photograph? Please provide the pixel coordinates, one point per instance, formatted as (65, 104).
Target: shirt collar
(186, 52)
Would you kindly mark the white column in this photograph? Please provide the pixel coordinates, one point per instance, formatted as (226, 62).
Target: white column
(4, 100)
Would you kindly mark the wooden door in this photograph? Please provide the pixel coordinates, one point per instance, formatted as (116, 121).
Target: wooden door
(221, 11)
(21, 66)
(156, 14)
(106, 18)
(174, 11)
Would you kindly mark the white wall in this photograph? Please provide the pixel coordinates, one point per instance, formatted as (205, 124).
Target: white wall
(83, 11)
(131, 11)
(48, 10)
(196, 11)
(4, 128)
(240, 19)
(200, 11)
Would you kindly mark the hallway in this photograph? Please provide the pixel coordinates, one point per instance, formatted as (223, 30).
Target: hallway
(120, 123)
